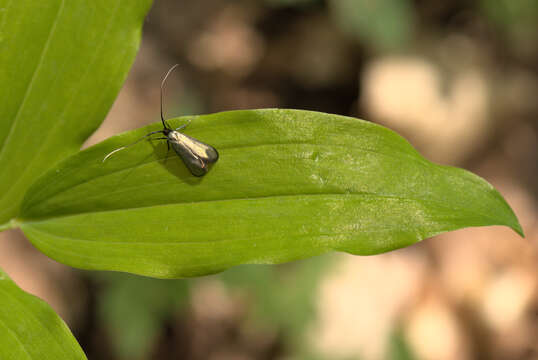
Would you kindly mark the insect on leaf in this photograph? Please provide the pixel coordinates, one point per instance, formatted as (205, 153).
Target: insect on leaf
(289, 184)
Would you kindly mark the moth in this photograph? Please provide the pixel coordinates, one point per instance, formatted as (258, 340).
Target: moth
(197, 156)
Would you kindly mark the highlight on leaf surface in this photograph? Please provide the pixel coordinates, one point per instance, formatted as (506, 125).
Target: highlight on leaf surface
(289, 184)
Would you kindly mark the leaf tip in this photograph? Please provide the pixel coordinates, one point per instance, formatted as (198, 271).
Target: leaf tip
(517, 228)
(513, 222)
(506, 215)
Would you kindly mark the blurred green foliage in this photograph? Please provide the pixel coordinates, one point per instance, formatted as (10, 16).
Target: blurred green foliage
(381, 24)
(283, 297)
(278, 3)
(133, 309)
(398, 348)
(517, 19)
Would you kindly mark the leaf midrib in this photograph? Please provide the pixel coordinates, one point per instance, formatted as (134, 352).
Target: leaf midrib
(438, 203)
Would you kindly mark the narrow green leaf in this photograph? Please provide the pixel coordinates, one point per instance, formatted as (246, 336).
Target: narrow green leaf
(61, 66)
(30, 329)
(289, 184)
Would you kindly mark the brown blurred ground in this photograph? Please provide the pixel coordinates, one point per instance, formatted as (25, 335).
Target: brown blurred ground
(458, 79)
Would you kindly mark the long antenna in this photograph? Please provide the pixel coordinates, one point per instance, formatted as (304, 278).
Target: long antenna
(126, 146)
(162, 86)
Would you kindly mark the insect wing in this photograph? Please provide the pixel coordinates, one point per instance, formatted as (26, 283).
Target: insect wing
(197, 156)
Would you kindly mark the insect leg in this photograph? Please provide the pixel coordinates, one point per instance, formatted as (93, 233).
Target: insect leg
(167, 144)
(167, 151)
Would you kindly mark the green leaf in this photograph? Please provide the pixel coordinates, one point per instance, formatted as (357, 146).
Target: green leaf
(30, 329)
(61, 66)
(289, 184)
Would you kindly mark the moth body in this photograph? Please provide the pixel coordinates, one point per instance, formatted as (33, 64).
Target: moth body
(197, 156)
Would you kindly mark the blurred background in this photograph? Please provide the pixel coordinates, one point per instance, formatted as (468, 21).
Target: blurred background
(458, 79)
